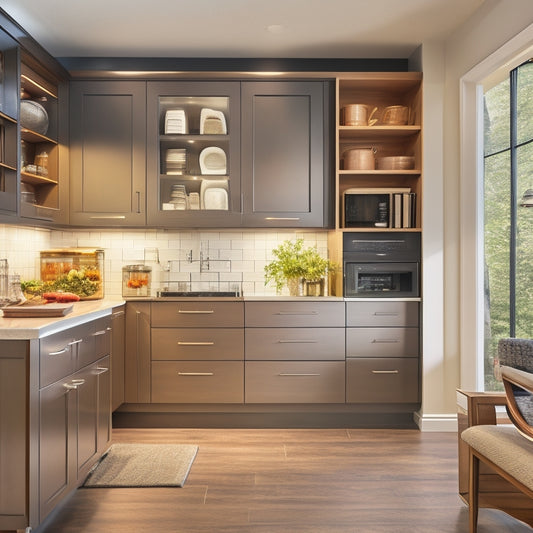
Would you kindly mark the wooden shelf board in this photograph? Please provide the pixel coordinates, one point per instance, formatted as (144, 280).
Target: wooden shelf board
(33, 137)
(379, 173)
(7, 118)
(34, 179)
(8, 167)
(371, 132)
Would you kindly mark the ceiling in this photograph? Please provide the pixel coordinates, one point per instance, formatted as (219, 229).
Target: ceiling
(238, 28)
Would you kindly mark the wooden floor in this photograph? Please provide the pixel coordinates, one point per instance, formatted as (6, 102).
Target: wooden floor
(291, 481)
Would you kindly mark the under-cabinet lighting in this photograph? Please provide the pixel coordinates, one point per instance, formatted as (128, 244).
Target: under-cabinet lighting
(35, 84)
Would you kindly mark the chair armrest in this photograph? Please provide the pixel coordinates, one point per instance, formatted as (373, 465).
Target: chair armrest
(518, 377)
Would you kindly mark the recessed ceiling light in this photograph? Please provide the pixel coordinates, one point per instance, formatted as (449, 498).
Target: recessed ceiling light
(275, 28)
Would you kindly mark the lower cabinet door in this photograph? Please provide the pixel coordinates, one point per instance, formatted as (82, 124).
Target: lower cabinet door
(294, 382)
(197, 382)
(382, 380)
(57, 424)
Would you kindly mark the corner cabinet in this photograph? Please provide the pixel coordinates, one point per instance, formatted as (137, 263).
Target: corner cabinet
(107, 153)
(285, 155)
(193, 156)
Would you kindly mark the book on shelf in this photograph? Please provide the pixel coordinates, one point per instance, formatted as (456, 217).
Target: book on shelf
(404, 210)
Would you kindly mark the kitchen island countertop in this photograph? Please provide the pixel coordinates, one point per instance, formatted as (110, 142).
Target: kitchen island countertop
(34, 328)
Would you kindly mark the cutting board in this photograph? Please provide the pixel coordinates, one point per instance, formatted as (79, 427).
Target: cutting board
(37, 311)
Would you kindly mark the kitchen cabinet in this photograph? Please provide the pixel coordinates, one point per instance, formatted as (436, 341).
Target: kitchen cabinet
(74, 410)
(382, 352)
(55, 418)
(118, 339)
(294, 352)
(285, 154)
(107, 153)
(137, 353)
(386, 138)
(9, 94)
(193, 156)
(197, 352)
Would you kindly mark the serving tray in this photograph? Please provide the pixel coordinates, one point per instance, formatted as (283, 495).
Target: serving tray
(37, 311)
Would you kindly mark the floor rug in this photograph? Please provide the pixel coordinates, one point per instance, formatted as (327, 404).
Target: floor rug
(143, 465)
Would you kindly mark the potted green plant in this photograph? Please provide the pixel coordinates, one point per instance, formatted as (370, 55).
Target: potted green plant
(294, 264)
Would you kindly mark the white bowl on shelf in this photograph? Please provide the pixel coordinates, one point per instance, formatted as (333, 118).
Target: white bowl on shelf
(213, 161)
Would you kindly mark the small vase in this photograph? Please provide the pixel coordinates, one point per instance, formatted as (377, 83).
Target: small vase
(294, 286)
(314, 288)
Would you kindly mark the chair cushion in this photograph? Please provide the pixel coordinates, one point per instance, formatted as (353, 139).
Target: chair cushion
(505, 447)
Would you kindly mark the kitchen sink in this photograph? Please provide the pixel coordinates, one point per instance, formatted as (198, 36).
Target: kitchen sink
(219, 294)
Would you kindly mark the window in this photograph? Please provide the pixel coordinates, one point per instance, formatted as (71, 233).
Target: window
(508, 222)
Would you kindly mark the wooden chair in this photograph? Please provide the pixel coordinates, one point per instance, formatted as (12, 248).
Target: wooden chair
(507, 449)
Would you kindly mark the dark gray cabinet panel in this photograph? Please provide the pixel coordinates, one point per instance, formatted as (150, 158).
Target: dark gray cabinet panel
(284, 154)
(107, 153)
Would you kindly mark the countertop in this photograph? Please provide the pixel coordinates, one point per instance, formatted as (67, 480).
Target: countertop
(34, 328)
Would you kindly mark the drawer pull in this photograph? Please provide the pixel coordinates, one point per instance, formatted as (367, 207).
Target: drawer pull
(282, 218)
(284, 313)
(385, 341)
(60, 352)
(199, 343)
(386, 313)
(101, 370)
(385, 371)
(297, 341)
(75, 342)
(99, 333)
(196, 373)
(186, 312)
(74, 384)
(290, 374)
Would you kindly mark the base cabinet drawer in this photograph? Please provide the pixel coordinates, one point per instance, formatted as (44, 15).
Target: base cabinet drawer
(386, 380)
(197, 382)
(382, 314)
(194, 314)
(311, 314)
(294, 382)
(197, 344)
(294, 344)
(382, 342)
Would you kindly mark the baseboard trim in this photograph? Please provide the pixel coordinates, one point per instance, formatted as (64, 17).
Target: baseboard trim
(444, 423)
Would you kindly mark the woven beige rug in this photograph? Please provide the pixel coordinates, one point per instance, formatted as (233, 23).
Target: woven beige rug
(143, 465)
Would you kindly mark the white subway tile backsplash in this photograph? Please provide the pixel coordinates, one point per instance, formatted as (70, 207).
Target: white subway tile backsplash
(235, 256)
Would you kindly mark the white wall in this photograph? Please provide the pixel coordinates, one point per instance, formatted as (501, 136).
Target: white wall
(496, 22)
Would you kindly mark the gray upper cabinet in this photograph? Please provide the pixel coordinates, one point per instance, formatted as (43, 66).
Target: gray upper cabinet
(285, 155)
(107, 153)
(193, 162)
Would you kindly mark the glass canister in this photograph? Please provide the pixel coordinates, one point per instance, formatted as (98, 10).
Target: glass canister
(136, 280)
(76, 270)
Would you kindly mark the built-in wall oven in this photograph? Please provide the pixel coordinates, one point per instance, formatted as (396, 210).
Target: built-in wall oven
(381, 265)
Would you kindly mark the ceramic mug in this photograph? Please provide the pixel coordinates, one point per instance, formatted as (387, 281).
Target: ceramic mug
(359, 115)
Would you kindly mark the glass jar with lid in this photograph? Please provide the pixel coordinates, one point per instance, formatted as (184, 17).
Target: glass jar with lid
(136, 280)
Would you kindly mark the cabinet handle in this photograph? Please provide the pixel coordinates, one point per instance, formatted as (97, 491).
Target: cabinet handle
(385, 341)
(199, 343)
(74, 384)
(101, 370)
(385, 313)
(282, 218)
(297, 341)
(117, 315)
(101, 332)
(196, 373)
(75, 342)
(289, 374)
(283, 313)
(385, 371)
(60, 352)
(108, 217)
(186, 312)
(138, 195)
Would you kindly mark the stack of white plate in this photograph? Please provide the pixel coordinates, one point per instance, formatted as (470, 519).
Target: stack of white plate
(176, 160)
(176, 121)
(178, 197)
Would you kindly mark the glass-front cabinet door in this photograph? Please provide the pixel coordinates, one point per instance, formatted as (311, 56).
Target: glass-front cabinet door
(193, 159)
